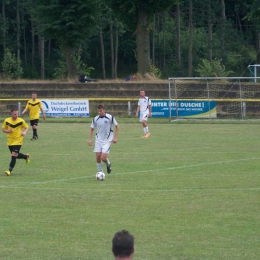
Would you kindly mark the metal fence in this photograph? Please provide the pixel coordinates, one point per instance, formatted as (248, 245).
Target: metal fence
(236, 97)
(117, 106)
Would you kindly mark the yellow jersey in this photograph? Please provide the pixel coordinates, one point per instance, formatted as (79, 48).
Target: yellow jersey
(34, 108)
(17, 125)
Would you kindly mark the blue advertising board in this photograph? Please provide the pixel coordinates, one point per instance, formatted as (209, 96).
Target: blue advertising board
(186, 108)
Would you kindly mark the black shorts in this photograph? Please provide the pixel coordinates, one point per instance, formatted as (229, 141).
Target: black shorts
(34, 122)
(15, 148)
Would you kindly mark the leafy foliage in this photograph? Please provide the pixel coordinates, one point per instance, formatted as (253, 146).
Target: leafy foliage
(155, 71)
(78, 23)
(215, 69)
(70, 22)
(138, 14)
(254, 11)
(81, 67)
(60, 72)
(127, 9)
(11, 66)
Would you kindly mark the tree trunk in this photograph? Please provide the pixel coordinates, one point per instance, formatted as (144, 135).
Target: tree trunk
(69, 53)
(112, 49)
(209, 35)
(49, 50)
(178, 34)
(164, 40)
(153, 42)
(143, 42)
(258, 47)
(24, 43)
(39, 43)
(116, 53)
(102, 55)
(33, 43)
(238, 20)
(223, 24)
(4, 25)
(42, 58)
(18, 24)
(190, 39)
(159, 40)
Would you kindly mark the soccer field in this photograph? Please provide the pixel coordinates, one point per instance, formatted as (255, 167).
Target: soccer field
(189, 191)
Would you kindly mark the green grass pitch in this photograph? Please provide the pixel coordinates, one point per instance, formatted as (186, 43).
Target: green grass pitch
(189, 191)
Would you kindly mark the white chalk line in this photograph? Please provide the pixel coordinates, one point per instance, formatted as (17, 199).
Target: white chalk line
(140, 190)
(143, 171)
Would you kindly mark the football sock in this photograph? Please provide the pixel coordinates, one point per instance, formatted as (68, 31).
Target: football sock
(145, 130)
(21, 156)
(12, 163)
(99, 167)
(107, 162)
(34, 132)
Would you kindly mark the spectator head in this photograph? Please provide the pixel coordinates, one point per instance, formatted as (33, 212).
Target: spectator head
(123, 245)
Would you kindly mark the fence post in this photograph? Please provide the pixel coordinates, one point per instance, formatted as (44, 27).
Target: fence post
(19, 108)
(129, 108)
(208, 99)
(244, 110)
(241, 100)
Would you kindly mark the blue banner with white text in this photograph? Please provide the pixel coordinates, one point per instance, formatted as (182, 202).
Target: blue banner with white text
(186, 108)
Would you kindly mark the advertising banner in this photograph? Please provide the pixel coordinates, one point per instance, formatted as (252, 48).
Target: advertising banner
(186, 108)
(65, 108)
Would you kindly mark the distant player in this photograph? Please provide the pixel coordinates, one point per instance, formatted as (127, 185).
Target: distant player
(34, 105)
(105, 124)
(13, 126)
(145, 108)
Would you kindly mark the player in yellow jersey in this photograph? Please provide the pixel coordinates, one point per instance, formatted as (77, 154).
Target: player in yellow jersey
(13, 126)
(34, 106)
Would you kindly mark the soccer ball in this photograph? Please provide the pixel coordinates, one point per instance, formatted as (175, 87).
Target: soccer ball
(100, 176)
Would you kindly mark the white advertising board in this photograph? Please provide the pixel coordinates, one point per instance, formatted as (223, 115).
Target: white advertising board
(65, 108)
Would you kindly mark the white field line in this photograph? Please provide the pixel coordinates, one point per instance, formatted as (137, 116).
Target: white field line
(139, 190)
(144, 171)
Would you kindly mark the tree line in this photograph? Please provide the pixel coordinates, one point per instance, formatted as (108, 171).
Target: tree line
(47, 39)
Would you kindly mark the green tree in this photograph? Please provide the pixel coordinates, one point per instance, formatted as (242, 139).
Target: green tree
(138, 15)
(253, 15)
(213, 69)
(11, 66)
(69, 22)
(254, 11)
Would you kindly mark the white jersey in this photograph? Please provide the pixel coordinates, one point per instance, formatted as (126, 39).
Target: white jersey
(105, 127)
(144, 104)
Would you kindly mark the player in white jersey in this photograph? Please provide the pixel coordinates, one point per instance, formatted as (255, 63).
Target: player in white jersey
(145, 108)
(105, 124)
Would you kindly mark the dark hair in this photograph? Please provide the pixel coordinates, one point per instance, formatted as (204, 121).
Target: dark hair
(14, 109)
(122, 243)
(100, 106)
(34, 93)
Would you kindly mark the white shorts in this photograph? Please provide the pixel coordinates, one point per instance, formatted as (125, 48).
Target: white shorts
(144, 116)
(102, 147)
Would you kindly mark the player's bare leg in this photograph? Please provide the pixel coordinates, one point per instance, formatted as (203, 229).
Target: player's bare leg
(145, 127)
(99, 163)
(106, 161)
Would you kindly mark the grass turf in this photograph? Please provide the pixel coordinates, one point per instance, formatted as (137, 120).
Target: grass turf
(189, 191)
